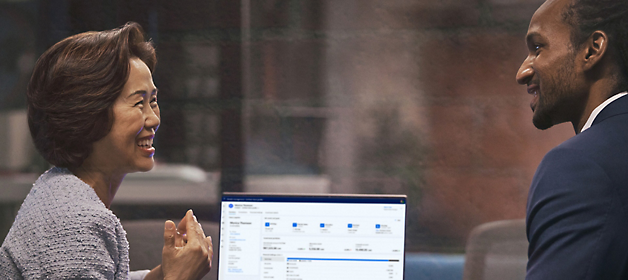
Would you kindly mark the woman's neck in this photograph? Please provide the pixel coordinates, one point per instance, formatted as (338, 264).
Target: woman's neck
(105, 183)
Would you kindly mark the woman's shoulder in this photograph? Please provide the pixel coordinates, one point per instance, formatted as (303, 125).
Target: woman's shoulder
(59, 187)
(61, 218)
(58, 198)
(63, 184)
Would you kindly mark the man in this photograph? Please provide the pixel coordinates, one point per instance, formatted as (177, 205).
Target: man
(576, 70)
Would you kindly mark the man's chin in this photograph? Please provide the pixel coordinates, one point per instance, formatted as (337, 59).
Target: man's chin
(542, 122)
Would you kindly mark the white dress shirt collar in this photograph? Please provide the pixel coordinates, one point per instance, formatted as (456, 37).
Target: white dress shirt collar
(599, 109)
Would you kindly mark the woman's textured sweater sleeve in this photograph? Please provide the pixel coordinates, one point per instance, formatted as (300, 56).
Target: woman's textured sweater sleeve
(63, 231)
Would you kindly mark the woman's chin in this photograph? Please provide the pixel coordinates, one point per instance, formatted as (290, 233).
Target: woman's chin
(145, 166)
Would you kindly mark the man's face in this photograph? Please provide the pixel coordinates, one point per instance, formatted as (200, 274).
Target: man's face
(549, 70)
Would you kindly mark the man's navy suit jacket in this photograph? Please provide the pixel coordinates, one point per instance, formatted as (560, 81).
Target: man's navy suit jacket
(577, 212)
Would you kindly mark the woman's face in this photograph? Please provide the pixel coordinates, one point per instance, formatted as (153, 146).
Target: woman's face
(129, 145)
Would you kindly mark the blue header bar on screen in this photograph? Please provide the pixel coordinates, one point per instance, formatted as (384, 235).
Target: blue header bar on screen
(249, 197)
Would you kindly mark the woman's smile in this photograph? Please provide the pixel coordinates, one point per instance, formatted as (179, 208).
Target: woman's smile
(146, 145)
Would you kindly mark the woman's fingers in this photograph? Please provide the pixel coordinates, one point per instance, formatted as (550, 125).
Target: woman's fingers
(170, 233)
(183, 223)
(210, 247)
(193, 229)
(182, 238)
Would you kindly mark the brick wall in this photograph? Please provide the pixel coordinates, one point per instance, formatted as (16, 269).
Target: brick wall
(441, 76)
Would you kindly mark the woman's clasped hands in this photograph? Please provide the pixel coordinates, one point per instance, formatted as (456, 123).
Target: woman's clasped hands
(187, 253)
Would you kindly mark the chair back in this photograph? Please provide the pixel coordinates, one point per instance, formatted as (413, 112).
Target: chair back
(497, 250)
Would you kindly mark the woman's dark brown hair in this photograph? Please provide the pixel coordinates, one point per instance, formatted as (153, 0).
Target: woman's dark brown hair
(74, 86)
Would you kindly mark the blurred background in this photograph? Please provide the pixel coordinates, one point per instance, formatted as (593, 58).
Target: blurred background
(411, 97)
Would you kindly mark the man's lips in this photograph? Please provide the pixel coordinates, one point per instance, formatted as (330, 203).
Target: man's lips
(534, 90)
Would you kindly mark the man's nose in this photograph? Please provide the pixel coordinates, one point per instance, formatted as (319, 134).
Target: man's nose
(525, 72)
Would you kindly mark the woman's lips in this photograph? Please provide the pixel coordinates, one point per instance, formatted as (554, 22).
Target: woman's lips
(145, 144)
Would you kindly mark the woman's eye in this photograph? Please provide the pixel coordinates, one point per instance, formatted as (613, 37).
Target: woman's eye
(153, 102)
(139, 103)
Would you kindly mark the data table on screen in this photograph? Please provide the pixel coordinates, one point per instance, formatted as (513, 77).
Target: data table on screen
(342, 269)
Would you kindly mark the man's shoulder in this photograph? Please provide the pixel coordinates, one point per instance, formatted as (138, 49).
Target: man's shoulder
(590, 164)
(571, 169)
(577, 202)
(600, 148)
(603, 141)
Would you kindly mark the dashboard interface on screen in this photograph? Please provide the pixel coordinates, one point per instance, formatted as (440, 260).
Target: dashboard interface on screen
(329, 237)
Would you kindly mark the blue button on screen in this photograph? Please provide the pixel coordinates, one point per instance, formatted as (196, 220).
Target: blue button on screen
(377, 226)
(294, 224)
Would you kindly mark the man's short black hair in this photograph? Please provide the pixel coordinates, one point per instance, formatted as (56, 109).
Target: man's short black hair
(610, 16)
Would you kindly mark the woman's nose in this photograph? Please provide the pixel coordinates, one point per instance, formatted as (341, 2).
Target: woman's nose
(152, 118)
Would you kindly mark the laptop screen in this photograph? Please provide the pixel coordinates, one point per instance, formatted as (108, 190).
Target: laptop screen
(311, 237)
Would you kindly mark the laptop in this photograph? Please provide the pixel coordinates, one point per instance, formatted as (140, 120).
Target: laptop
(311, 236)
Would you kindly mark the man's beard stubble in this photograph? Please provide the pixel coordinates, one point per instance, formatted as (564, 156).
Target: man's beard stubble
(555, 99)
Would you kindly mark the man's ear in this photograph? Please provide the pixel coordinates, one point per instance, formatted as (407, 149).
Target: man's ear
(595, 48)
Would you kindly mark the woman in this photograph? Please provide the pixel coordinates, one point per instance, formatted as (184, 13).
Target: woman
(93, 113)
